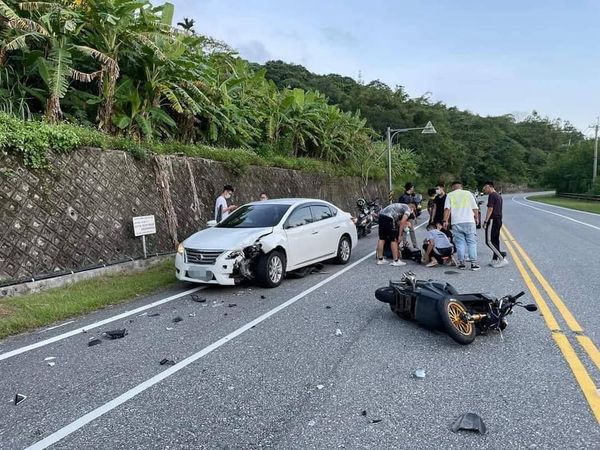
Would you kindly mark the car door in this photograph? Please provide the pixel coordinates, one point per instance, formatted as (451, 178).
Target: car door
(302, 237)
(327, 228)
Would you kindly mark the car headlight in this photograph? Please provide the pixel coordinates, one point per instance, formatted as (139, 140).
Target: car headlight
(235, 254)
(180, 249)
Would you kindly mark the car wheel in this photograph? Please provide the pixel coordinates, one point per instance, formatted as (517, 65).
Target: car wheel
(344, 250)
(270, 269)
(452, 313)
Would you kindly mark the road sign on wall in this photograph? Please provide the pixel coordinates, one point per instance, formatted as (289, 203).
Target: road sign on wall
(144, 225)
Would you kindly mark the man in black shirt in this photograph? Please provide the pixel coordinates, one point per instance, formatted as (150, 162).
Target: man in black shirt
(437, 216)
(493, 225)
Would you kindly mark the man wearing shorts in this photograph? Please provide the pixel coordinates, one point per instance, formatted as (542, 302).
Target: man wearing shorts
(396, 213)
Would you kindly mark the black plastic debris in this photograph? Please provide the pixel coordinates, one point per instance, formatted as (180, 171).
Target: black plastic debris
(19, 398)
(469, 422)
(376, 420)
(130, 320)
(177, 319)
(364, 413)
(196, 298)
(263, 297)
(232, 305)
(94, 341)
(167, 362)
(225, 314)
(328, 307)
(154, 315)
(116, 334)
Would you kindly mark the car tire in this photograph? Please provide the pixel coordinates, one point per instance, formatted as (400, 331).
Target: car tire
(450, 310)
(270, 269)
(344, 251)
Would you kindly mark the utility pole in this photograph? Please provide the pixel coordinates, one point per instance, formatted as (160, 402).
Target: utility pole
(595, 173)
(389, 146)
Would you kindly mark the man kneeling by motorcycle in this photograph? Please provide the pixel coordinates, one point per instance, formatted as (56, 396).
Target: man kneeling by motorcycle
(438, 247)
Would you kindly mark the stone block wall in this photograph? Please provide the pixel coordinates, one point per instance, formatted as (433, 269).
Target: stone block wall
(78, 214)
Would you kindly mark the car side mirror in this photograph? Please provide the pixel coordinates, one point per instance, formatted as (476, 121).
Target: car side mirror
(211, 223)
(531, 307)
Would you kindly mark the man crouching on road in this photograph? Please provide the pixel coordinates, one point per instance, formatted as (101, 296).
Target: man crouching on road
(388, 217)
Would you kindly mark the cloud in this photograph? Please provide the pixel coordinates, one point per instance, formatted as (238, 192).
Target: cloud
(337, 36)
(254, 51)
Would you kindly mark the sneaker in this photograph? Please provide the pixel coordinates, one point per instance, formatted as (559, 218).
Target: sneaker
(475, 266)
(501, 263)
(380, 262)
(461, 266)
(493, 262)
(397, 263)
(433, 263)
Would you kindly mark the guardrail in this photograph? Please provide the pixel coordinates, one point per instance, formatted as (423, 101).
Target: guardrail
(595, 198)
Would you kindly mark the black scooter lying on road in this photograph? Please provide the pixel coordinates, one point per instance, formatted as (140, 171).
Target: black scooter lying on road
(437, 305)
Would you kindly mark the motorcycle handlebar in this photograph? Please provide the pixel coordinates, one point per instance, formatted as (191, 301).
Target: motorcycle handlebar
(519, 295)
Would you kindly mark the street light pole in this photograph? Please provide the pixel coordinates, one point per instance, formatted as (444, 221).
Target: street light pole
(391, 133)
(595, 173)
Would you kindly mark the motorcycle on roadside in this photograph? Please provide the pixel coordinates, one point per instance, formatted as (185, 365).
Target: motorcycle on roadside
(364, 220)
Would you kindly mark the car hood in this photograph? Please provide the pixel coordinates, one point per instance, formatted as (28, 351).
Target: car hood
(225, 238)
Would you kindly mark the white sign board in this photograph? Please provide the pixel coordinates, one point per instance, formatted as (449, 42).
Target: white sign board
(144, 225)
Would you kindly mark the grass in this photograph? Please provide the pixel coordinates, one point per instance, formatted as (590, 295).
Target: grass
(580, 205)
(19, 314)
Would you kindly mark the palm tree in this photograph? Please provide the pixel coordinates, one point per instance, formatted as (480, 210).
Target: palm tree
(187, 25)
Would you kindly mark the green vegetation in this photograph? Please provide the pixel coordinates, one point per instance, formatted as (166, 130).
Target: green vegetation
(121, 67)
(581, 205)
(18, 314)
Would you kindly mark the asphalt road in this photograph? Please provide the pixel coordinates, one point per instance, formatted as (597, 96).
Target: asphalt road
(271, 372)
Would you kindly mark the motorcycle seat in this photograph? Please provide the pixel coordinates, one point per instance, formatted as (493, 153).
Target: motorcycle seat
(475, 297)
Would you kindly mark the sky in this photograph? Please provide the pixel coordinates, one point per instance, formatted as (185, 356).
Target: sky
(490, 57)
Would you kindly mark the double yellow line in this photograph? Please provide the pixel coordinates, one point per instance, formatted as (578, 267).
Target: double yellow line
(586, 383)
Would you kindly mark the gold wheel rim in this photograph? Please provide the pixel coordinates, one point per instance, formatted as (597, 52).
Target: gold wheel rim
(455, 311)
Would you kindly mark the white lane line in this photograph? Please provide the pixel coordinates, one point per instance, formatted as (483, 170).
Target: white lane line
(56, 326)
(84, 420)
(91, 326)
(562, 207)
(556, 214)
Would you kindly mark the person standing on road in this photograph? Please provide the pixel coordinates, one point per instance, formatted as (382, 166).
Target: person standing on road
(439, 204)
(462, 208)
(409, 198)
(396, 213)
(493, 224)
(221, 208)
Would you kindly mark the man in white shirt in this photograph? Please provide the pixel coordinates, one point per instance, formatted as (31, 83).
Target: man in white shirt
(221, 208)
(462, 207)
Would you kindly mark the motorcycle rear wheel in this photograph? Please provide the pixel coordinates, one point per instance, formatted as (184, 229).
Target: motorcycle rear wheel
(450, 311)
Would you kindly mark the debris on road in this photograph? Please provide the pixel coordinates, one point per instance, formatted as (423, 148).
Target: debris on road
(49, 358)
(419, 373)
(116, 334)
(216, 304)
(192, 314)
(328, 307)
(154, 315)
(177, 319)
(364, 413)
(167, 362)
(320, 386)
(263, 297)
(51, 363)
(19, 398)
(196, 298)
(170, 328)
(451, 272)
(94, 341)
(376, 420)
(469, 422)
(232, 305)
(338, 332)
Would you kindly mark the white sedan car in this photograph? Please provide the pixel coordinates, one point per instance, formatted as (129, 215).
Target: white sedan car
(262, 241)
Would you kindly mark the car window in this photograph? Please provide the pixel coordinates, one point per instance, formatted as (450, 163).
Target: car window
(301, 216)
(255, 216)
(321, 212)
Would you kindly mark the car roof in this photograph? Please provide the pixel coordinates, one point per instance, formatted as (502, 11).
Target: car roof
(288, 201)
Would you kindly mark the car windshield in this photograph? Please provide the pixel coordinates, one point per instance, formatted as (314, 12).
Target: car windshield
(255, 216)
